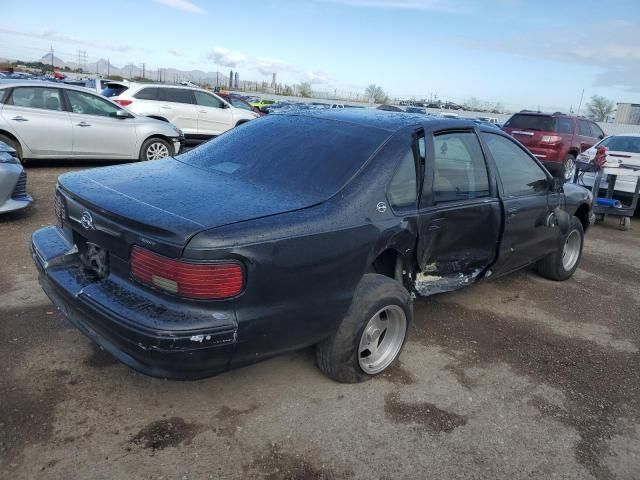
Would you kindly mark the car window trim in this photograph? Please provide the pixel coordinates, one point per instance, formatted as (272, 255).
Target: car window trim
(431, 203)
(70, 110)
(498, 178)
(58, 89)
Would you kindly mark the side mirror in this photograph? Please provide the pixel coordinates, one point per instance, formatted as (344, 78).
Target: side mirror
(226, 105)
(600, 137)
(122, 114)
(557, 184)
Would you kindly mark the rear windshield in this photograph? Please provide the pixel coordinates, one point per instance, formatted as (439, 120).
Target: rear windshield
(303, 155)
(532, 122)
(113, 90)
(622, 144)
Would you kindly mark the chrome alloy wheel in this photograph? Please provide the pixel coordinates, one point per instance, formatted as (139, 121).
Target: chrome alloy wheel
(571, 250)
(382, 339)
(156, 151)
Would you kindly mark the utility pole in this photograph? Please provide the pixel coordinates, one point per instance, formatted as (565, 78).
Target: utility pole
(142, 68)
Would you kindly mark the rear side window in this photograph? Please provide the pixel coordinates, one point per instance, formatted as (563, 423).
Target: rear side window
(620, 143)
(113, 90)
(35, 97)
(459, 169)
(403, 186)
(175, 95)
(532, 122)
(150, 93)
(520, 174)
(564, 125)
(584, 128)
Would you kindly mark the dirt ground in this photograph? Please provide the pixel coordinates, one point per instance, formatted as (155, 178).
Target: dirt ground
(512, 379)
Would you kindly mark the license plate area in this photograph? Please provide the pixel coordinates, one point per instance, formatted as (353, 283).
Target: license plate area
(95, 259)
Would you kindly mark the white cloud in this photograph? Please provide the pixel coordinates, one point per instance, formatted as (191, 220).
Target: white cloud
(53, 36)
(265, 66)
(176, 53)
(184, 5)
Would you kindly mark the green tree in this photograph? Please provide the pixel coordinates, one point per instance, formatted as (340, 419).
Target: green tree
(376, 93)
(305, 90)
(600, 108)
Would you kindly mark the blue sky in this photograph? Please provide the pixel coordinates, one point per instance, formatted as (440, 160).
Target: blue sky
(517, 52)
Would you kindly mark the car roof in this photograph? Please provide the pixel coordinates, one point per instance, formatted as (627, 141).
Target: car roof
(625, 135)
(40, 83)
(134, 85)
(381, 119)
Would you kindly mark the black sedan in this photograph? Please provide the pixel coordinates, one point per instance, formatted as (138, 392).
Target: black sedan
(316, 227)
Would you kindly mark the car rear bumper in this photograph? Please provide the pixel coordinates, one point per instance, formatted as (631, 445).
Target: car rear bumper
(131, 323)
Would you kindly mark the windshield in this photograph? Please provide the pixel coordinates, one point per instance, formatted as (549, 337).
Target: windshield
(113, 90)
(309, 156)
(621, 144)
(532, 122)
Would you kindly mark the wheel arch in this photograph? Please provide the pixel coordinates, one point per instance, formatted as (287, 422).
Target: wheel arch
(391, 263)
(582, 213)
(158, 117)
(14, 138)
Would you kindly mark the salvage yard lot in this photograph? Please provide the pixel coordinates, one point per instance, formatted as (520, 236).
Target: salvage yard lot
(516, 378)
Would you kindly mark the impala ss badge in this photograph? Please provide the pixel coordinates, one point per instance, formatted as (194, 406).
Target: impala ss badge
(381, 207)
(87, 221)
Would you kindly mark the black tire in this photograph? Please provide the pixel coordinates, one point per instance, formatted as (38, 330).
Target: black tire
(337, 355)
(13, 144)
(552, 266)
(151, 141)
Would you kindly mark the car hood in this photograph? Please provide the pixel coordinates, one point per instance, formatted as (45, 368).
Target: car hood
(172, 200)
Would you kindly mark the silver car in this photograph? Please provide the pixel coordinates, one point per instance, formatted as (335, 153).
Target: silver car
(46, 120)
(13, 181)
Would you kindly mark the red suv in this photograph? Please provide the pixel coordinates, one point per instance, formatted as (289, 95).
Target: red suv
(556, 139)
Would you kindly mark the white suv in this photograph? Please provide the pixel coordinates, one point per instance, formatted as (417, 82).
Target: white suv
(198, 113)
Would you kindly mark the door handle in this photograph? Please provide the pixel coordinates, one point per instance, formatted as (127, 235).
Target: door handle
(166, 107)
(83, 124)
(513, 210)
(19, 118)
(433, 228)
(202, 111)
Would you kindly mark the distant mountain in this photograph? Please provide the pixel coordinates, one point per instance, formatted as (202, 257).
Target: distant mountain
(57, 62)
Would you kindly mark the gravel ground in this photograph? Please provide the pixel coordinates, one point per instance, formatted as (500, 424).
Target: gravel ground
(516, 378)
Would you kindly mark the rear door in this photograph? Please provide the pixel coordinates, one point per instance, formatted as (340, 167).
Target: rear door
(214, 117)
(585, 135)
(97, 131)
(36, 116)
(459, 225)
(527, 202)
(178, 106)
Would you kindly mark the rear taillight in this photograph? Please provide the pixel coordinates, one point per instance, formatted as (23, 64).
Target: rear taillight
(124, 103)
(212, 281)
(551, 139)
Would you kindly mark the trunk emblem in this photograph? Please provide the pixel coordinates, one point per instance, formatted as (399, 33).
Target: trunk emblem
(381, 207)
(87, 221)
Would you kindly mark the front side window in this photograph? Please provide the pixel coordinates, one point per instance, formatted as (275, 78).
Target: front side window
(403, 187)
(149, 93)
(520, 174)
(207, 100)
(34, 97)
(460, 172)
(175, 95)
(87, 104)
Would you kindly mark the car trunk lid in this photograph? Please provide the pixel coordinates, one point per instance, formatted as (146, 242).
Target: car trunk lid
(162, 204)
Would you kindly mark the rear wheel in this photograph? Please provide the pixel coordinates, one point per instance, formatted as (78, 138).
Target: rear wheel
(561, 264)
(155, 149)
(371, 336)
(13, 144)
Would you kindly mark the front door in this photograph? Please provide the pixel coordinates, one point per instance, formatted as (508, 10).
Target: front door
(527, 203)
(37, 117)
(460, 226)
(97, 131)
(214, 117)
